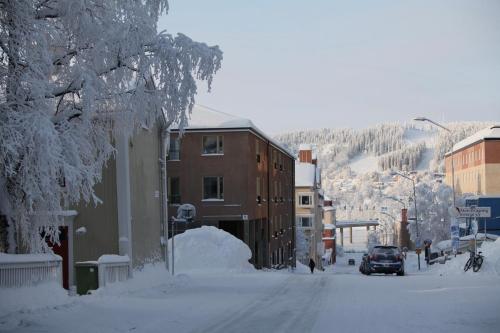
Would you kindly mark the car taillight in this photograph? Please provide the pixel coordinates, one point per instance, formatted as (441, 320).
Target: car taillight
(372, 257)
(398, 257)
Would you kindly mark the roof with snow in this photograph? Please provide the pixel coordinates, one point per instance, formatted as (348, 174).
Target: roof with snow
(205, 118)
(488, 133)
(304, 174)
(305, 146)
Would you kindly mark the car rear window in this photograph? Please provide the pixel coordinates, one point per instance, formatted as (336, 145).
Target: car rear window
(386, 250)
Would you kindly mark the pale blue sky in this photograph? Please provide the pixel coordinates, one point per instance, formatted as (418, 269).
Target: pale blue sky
(292, 65)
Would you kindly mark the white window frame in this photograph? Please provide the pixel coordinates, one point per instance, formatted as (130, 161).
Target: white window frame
(303, 194)
(219, 139)
(178, 140)
(219, 178)
(298, 221)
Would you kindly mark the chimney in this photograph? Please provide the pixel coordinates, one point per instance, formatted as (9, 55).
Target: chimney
(305, 153)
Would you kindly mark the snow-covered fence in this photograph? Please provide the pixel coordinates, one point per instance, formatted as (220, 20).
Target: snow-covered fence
(113, 268)
(21, 270)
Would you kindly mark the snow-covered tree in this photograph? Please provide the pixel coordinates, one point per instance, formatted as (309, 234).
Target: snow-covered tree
(433, 202)
(72, 74)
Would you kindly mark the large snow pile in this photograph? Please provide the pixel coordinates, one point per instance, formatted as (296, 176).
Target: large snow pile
(32, 298)
(491, 263)
(210, 249)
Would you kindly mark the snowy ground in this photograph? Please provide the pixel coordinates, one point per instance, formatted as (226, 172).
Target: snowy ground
(339, 298)
(440, 298)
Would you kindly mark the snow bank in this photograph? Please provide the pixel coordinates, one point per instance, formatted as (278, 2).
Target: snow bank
(31, 298)
(491, 263)
(144, 281)
(210, 249)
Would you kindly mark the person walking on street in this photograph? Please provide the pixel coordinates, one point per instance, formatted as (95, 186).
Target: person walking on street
(312, 264)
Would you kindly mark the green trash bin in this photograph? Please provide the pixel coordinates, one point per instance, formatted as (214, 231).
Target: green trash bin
(87, 277)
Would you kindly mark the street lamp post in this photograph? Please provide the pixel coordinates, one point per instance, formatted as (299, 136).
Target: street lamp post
(454, 223)
(416, 215)
(452, 157)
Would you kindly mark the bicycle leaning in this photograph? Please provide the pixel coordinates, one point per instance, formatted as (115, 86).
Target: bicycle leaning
(475, 261)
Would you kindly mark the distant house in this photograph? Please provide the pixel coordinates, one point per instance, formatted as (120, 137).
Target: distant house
(476, 163)
(238, 179)
(329, 231)
(309, 207)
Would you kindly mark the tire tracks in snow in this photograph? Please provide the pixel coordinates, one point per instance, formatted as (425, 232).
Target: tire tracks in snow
(291, 307)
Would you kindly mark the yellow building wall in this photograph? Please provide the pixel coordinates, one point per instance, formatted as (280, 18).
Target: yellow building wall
(493, 176)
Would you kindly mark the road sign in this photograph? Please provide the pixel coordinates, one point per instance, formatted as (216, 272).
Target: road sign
(474, 212)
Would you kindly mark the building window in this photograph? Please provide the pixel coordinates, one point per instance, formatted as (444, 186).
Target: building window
(259, 195)
(305, 200)
(275, 191)
(174, 153)
(174, 191)
(213, 145)
(257, 150)
(213, 188)
(304, 221)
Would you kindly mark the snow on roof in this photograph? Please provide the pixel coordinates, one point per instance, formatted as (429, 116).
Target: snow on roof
(305, 146)
(328, 208)
(490, 132)
(328, 226)
(304, 174)
(203, 118)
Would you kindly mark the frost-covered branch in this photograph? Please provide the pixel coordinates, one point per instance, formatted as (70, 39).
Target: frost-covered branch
(73, 73)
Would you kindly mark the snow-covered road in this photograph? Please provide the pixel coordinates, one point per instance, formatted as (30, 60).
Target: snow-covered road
(338, 300)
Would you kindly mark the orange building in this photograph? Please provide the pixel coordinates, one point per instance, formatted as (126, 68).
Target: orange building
(476, 163)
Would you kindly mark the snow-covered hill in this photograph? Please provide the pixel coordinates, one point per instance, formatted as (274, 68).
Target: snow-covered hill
(397, 146)
(357, 164)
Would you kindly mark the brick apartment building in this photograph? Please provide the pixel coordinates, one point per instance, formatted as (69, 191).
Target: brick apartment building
(476, 163)
(238, 179)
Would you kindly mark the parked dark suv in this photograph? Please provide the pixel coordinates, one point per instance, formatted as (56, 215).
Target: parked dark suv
(383, 259)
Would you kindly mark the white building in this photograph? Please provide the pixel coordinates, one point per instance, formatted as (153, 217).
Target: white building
(309, 207)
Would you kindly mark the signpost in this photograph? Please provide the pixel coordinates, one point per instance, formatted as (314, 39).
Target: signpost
(472, 211)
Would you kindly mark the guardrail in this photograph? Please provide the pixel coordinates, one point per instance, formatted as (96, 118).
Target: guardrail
(22, 270)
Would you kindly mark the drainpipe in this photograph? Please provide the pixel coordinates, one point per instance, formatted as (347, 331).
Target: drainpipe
(164, 146)
(268, 204)
(123, 196)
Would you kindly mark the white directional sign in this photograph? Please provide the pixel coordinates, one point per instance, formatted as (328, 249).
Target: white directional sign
(474, 211)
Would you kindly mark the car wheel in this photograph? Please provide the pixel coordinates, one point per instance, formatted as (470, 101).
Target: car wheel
(402, 273)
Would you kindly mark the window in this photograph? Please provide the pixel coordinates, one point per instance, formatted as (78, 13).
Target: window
(304, 221)
(174, 153)
(174, 191)
(213, 188)
(275, 191)
(257, 150)
(305, 200)
(259, 197)
(213, 145)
